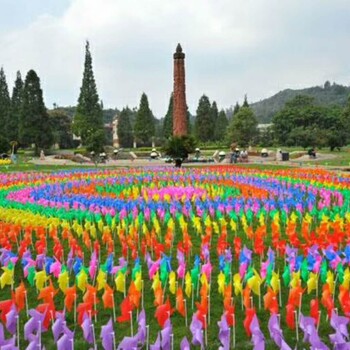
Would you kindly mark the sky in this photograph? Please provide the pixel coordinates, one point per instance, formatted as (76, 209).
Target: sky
(232, 47)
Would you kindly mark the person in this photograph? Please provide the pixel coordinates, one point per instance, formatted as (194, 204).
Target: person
(115, 154)
(235, 155)
(154, 154)
(264, 153)
(197, 153)
(312, 153)
(244, 156)
(222, 156)
(42, 155)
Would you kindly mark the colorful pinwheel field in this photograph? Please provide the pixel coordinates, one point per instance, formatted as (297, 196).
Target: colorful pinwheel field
(158, 258)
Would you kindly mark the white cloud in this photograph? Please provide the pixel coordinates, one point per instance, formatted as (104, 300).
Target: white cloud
(232, 47)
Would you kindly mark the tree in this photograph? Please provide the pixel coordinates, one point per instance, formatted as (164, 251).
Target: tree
(236, 109)
(61, 126)
(214, 116)
(4, 144)
(303, 123)
(297, 112)
(203, 124)
(245, 103)
(16, 103)
(179, 147)
(34, 126)
(243, 128)
(88, 120)
(144, 128)
(220, 126)
(125, 133)
(5, 103)
(168, 119)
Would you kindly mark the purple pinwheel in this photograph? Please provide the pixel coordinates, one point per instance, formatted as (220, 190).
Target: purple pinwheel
(165, 335)
(141, 332)
(34, 323)
(66, 342)
(185, 345)
(107, 334)
(128, 343)
(70, 260)
(258, 338)
(58, 326)
(276, 333)
(307, 324)
(196, 330)
(339, 323)
(6, 343)
(34, 342)
(40, 261)
(224, 333)
(156, 345)
(87, 328)
(12, 319)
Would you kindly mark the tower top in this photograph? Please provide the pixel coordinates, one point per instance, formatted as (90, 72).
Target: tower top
(179, 54)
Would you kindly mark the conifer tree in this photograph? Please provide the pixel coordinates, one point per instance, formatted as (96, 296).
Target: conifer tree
(168, 119)
(203, 122)
(5, 103)
(236, 109)
(125, 133)
(88, 120)
(16, 103)
(245, 103)
(220, 126)
(214, 116)
(144, 128)
(34, 125)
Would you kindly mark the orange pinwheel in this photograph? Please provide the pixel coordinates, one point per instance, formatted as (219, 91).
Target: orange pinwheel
(270, 301)
(295, 295)
(327, 300)
(19, 296)
(180, 305)
(246, 297)
(90, 295)
(158, 296)
(134, 295)
(70, 296)
(47, 293)
(227, 296)
(108, 297)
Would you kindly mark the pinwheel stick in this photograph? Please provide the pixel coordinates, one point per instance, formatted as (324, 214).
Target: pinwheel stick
(185, 301)
(142, 289)
(17, 319)
(26, 300)
(147, 337)
(296, 326)
(131, 325)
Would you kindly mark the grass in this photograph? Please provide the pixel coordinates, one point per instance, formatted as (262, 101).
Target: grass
(180, 330)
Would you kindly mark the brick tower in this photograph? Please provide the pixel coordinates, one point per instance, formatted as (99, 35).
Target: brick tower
(180, 106)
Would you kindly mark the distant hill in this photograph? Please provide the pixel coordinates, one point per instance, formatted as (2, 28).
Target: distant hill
(329, 94)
